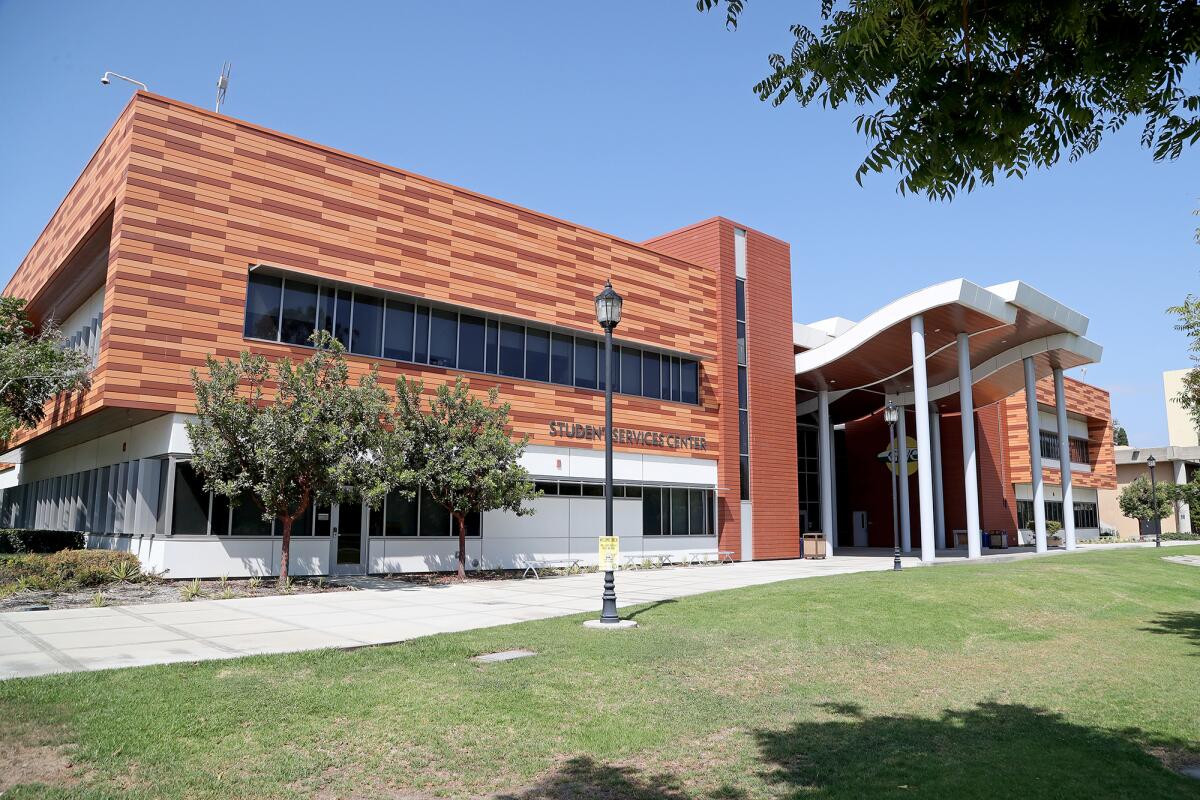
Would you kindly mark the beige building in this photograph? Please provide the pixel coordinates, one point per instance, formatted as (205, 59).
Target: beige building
(1180, 430)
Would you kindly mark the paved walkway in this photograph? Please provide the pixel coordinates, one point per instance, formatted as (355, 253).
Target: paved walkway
(69, 640)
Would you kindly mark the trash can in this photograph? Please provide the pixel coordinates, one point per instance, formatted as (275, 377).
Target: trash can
(812, 545)
(997, 540)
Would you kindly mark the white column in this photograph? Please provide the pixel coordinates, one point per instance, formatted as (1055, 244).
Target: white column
(924, 467)
(939, 500)
(1064, 460)
(825, 443)
(966, 402)
(1035, 457)
(905, 513)
(1183, 514)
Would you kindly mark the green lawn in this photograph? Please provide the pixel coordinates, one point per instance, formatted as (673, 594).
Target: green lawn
(1071, 676)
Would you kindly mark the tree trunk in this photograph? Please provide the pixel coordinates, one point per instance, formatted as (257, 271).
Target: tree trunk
(287, 541)
(461, 519)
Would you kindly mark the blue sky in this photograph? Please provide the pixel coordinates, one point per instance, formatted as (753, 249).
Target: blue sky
(633, 118)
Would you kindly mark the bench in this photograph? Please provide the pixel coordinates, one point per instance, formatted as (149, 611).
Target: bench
(535, 564)
(657, 559)
(704, 556)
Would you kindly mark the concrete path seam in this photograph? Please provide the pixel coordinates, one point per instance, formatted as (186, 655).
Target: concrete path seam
(149, 620)
(45, 647)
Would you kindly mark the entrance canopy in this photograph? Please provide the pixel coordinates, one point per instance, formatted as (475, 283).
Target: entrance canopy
(861, 365)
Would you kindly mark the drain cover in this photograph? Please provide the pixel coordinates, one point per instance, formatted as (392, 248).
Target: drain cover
(503, 655)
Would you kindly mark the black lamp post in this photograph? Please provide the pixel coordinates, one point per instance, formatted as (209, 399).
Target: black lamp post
(891, 415)
(608, 314)
(1151, 462)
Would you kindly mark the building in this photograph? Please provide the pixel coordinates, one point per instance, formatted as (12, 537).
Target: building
(190, 233)
(1180, 430)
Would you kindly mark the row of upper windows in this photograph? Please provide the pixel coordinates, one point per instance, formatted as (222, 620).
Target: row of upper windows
(1080, 451)
(288, 310)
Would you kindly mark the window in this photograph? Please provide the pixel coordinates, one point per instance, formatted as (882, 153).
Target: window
(1048, 441)
(443, 338)
(596, 490)
(652, 511)
(471, 343)
(562, 350)
(400, 515)
(1086, 516)
(679, 512)
(537, 354)
(548, 488)
(585, 364)
(1080, 453)
(368, 325)
(651, 375)
(189, 508)
(287, 310)
(247, 518)
(743, 382)
(398, 331)
(1053, 509)
(435, 519)
(299, 312)
(512, 350)
(262, 306)
(631, 370)
(421, 336)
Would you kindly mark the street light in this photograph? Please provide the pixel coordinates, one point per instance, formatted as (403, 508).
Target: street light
(890, 415)
(1150, 462)
(608, 314)
(107, 77)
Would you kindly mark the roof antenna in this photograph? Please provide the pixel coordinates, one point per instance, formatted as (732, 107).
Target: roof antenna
(222, 85)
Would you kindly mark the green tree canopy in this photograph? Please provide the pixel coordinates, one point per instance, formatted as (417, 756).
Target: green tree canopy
(1187, 316)
(1120, 437)
(320, 439)
(460, 452)
(956, 93)
(35, 367)
(1137, 502)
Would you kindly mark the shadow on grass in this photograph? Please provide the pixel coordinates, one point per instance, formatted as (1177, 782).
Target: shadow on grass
(992, 750)
(1179, 623)
(649, 607)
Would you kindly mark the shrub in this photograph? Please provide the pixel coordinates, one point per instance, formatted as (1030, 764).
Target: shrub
(66, 568)
(19, 540)
(1053, 528)
(1181, 537)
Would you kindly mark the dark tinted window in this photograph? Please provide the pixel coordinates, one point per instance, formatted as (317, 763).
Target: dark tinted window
(594, 490)
(562, 351)
(325, 308)
(679, 511)
(651, 511)
(470, 343)
(189, 511)
(341, 318)
(665, 372)
(568, 488)
(262, 306)
(743, 394)
(745, 477)
(421, 336)
(548, 488)
(492, 347)
(299, 311)
(401, 516)
(741, 298)
(690, 375)
(220, 515)
(368, 325)
(631, 370)
(585, 363)
(537, 354)
(398, 331)
(248, 518)
(443, 338)
(651, 379)
(512, 350)
(675, 379)
(696, 511)
(435, 519)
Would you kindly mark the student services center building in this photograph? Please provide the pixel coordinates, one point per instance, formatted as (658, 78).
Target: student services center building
(192, 234)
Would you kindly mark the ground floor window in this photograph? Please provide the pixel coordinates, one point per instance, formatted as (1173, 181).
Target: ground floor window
(1085, 514)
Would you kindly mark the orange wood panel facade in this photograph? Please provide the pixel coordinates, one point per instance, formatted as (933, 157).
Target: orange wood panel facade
(1083, 399)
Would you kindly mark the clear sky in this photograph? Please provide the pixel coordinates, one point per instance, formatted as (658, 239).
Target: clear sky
(633, 118)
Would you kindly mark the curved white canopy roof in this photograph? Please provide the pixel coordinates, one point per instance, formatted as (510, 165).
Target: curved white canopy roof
(863, 363)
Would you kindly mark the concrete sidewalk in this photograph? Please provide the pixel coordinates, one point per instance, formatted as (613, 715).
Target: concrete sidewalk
(69, 640)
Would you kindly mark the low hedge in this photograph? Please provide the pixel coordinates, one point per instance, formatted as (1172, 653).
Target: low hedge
(68, 569)
(19, 540)
(1181, 537)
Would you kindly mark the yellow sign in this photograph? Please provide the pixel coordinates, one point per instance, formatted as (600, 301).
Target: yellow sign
(891, 456)
(609, 552)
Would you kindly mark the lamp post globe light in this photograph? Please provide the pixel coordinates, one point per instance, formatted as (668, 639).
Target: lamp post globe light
(891, 414)
(1151, 462)
(608, 314)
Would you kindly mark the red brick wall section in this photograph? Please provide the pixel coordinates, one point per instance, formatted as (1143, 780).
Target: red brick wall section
(710, 245)
(771, 373)
(997, 499)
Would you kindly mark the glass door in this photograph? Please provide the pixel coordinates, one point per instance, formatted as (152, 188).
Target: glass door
(349, 547)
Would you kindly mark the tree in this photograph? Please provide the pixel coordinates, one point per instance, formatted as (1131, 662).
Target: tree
(1136, 501)
(36, 365)
(318, 440)
(1120, 437)
(959, 92)
(462, 455)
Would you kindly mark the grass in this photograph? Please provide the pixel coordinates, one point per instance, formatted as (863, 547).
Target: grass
(1071, 676)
